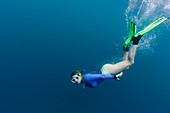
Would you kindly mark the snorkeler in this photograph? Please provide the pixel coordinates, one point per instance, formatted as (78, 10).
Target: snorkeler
(114, 71)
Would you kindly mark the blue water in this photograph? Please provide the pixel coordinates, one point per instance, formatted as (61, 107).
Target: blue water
(42, 42)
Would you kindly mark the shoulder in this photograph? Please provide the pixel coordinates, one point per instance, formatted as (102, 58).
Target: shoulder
(88, 74)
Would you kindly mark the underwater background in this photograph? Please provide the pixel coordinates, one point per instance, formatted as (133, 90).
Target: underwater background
(43, 41)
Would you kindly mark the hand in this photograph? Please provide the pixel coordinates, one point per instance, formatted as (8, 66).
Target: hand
(119, 75)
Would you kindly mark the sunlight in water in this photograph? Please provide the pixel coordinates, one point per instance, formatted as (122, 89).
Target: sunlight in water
(144, 12)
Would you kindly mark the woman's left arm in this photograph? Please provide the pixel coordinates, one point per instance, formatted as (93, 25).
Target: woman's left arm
(105, 76)
(119, 75)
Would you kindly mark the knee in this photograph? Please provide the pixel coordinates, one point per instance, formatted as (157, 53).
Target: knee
(132, 62)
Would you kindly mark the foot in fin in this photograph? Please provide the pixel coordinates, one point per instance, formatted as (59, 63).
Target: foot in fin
(136, 39)
(126, 48)
(132, 32)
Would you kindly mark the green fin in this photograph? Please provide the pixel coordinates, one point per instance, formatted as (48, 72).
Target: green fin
(151, 26)
(132, 30)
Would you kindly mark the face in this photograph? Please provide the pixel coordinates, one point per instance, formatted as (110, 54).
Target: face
(76, 79)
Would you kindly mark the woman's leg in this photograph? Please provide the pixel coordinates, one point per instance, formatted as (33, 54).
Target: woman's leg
(126, 55)
(118, 67)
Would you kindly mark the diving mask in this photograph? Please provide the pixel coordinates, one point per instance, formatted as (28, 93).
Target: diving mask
(75, 79)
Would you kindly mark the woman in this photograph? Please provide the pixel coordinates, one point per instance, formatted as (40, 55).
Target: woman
(114, 71)
(108, 71)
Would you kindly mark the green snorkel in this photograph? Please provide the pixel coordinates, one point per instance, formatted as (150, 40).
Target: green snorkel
(79, 73)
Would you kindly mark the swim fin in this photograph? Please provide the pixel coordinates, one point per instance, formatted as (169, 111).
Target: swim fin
(132, 32)
(147, 29)
(151, 26)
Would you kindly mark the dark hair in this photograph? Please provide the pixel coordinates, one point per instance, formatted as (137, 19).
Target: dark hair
(74, 73)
